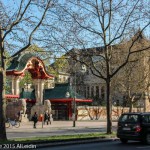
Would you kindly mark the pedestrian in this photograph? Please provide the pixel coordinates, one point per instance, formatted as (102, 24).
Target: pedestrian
(35, 119)
(47, 118)
(19, 116)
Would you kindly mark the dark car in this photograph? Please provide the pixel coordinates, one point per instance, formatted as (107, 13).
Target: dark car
(134, 126)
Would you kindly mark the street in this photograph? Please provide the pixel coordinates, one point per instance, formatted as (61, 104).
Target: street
(115, 145)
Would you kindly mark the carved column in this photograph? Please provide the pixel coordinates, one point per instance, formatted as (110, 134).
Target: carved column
(41, 90)
(15, 85)
(39, 86)
(11, 79)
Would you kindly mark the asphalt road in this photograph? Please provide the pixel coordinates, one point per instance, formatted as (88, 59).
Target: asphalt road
(115, 145)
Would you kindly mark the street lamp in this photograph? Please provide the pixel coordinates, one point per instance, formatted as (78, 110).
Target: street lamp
(83, 70)
(74, 103)
(74, 107)
(67, 95)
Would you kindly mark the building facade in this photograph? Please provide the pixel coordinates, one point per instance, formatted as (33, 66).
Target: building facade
(130, 86)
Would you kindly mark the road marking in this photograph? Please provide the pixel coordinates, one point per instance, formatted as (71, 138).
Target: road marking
(143, 147)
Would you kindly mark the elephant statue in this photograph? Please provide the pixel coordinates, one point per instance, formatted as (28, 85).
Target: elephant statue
(47, 106)
(23, 106)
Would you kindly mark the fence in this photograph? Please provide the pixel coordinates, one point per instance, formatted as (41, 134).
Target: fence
(99, 113)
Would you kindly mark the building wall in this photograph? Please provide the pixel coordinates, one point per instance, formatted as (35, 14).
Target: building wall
(99, 113)
(140, 69)
(91, 86)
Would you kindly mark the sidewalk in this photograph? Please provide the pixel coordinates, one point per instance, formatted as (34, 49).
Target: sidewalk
(57, 128)
(66, 124)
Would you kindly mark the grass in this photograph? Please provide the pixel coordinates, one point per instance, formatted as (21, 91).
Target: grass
(60, 138)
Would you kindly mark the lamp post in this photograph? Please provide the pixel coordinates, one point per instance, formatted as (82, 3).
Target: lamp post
(74, 102)
(83, 70)
(74, 107)
(67, 95)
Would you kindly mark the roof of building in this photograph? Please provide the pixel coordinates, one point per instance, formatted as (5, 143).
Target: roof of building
(19, 62)
(57, 94)
(60, 91)
(28, 61)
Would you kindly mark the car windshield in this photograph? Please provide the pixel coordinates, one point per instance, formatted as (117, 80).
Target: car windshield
(129, 118)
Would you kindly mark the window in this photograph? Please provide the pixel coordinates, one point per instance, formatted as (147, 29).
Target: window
(102, 93)
(92, 91)
(85, 92)
(88, 92)
(129, 118)
(146, 119)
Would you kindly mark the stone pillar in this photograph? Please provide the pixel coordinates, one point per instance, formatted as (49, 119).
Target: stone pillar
(36, 90)
(41, 90)
(12, 86)
(15, 85)
(39, 86)
(11, 78)
(39, 107)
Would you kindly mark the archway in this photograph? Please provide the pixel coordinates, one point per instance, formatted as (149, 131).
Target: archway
(35, 66)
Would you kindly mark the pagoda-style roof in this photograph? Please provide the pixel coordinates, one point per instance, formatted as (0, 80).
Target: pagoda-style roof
(28, 61)
(19, 62)
(57, 94)
(63, 92)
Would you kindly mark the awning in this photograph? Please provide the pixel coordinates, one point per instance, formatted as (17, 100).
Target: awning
(70, 100)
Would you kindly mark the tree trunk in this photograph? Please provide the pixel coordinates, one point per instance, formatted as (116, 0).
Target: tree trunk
(131, 103)
(2, 92)
(108, 108)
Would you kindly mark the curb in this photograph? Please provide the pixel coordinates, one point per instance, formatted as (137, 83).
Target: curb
(75, 141)
(56, 143)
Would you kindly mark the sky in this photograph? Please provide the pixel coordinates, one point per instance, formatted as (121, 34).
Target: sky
(20, 37)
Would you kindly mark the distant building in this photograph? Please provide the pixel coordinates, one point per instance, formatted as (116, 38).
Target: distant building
(95, 88)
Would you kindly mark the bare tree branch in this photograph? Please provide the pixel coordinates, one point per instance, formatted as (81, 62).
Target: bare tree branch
(37, 26)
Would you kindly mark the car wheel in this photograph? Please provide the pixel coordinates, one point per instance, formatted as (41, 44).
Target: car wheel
(147, 139)
(124, 141)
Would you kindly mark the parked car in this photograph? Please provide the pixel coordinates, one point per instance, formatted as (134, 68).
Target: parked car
(134, 126)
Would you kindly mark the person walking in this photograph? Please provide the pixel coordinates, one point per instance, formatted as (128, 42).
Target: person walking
(19, 117)
(35, 119)
(47, 118)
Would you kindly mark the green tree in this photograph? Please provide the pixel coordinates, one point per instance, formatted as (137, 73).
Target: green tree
(60, 65)
(40, 52)
(26, 80)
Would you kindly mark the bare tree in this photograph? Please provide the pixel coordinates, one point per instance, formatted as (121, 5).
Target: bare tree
(108, 26)
(132, 82)
(18, 25)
